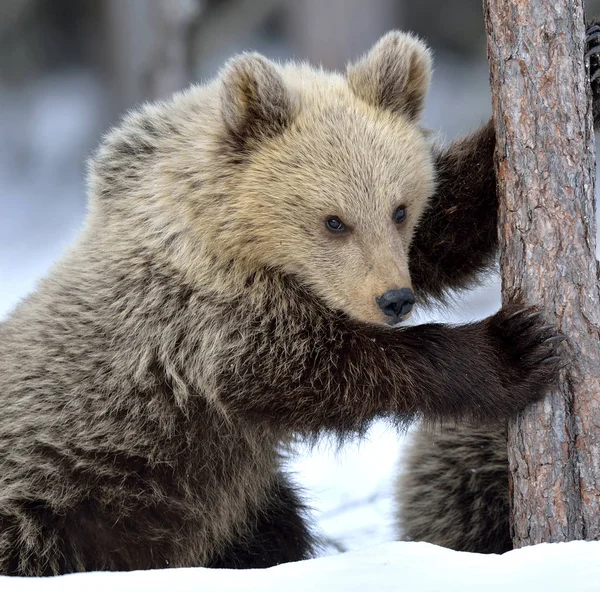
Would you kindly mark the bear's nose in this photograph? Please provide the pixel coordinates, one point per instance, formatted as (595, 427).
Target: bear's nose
(396, 303)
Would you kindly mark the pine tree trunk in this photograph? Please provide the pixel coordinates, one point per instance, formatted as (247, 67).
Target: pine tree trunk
(545, 159)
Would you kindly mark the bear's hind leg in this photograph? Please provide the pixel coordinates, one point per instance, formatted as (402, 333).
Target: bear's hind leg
(277, 534)
(454, 489)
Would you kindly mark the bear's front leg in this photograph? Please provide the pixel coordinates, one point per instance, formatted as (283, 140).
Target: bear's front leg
(457, 238)
(482, 371)
(346, 373)
(275, 533)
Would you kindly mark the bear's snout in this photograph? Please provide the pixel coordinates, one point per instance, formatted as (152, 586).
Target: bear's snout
(396, 303)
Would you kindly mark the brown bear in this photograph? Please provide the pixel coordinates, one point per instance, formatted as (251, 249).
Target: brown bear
(249, 246)
(454, 489)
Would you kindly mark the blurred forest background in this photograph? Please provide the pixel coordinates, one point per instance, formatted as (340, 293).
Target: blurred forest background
(70, 68)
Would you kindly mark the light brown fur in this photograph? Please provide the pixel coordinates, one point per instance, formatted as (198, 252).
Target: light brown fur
(341, 156)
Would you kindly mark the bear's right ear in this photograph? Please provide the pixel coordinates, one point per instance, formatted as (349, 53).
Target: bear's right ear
(394, 74)
(255, 101)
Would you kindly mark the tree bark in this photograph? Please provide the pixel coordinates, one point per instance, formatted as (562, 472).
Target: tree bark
(545, 162)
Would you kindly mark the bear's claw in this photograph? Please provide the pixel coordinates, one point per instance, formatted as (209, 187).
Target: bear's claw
(595, 50)
(592, 31)
(531, 345)
(592, 46)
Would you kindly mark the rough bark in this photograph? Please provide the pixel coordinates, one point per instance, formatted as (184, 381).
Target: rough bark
(545, 161)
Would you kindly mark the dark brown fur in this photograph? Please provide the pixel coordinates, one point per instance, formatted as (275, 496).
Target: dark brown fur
(458, 238)
(453, 490)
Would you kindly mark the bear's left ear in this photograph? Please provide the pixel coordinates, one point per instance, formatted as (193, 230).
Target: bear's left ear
(255, 101)
(394, 74)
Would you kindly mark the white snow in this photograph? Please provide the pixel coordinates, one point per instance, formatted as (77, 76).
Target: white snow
(410, 567)
(349, 490)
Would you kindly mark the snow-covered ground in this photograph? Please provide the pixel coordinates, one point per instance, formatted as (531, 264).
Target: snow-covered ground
(409, 567)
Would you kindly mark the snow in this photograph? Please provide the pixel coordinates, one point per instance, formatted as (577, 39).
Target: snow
(409, 567)
(350, 490)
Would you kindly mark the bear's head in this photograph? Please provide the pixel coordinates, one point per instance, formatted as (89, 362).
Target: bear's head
(334, 172)
(316, 175)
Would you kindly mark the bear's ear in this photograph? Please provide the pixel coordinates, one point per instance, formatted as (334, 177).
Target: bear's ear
(394, 74)
(255, 101)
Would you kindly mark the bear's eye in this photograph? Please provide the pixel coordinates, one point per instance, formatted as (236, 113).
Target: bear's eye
(400, 215)
(334, 224)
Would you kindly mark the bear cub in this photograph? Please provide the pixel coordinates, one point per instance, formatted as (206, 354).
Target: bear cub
(249, 247)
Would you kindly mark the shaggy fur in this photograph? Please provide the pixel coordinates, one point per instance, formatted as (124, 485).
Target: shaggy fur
(450, 491)
(458, 238)
(454, 488)
(206, 316)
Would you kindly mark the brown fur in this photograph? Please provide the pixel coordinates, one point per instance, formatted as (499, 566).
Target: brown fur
(458, 238)
(206, 316)
(453, 490)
